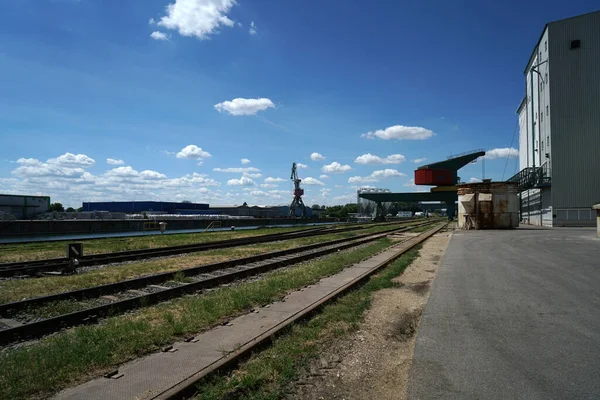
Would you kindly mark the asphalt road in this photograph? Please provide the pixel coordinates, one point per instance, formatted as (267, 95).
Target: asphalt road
(512, 315)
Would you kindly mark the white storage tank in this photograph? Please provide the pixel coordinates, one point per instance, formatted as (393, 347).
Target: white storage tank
(488, 205)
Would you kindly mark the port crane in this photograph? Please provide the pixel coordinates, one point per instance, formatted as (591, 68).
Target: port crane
(298, 192)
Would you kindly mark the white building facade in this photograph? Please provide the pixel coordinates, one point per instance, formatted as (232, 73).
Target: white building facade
(559, 121)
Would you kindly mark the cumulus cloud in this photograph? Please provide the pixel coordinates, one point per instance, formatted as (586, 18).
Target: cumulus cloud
(198, 18)
(324, 176)
(312, 182)
(376, 176)
(419, 160)
(371, 159)
(501, 153)
(268, 185)
(237, 170)
(475, 180)
(157, 35)
(242, 106)
(67, 165)
(410, 183)
(243, 181)
(245, 161)
(273, 180)
(72, 160)
(336, 168)
(191, 151)
(252, 29)
(400, 132)
(317, 157)
(301, 166)
(252, 175)
(70, 184)
(113, 161)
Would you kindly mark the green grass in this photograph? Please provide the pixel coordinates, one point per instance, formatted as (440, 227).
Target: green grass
(13, 290)
(267, 375)
(70, 357)
(36, 251)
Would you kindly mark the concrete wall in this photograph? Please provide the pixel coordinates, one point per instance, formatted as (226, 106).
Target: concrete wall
(58, 227)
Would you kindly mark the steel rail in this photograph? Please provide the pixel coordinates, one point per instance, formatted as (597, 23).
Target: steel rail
(39, 328)
(38, 266)
(187, 387)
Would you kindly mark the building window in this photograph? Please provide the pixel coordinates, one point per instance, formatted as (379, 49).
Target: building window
(546, 45)
(546, 110)
(575, 44)
(547, 140)
(542, 117)
(536, 116)
(546, 77)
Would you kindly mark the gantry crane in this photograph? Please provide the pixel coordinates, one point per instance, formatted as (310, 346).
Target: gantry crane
(298, 192)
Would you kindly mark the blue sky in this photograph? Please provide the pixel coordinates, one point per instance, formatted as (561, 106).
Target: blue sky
(177, 92)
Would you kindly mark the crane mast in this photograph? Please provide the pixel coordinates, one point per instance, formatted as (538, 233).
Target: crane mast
(298, 192)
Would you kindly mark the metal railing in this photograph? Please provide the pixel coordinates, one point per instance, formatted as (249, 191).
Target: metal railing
(529, 178)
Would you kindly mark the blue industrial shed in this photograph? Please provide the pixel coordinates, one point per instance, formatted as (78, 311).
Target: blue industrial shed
(140, 206)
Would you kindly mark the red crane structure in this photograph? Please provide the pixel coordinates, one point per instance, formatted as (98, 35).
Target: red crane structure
(298, 192)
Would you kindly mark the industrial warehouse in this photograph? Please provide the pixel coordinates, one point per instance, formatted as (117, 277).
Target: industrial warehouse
(135, 264)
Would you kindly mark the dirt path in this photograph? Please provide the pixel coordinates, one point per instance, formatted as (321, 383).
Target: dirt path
(373, 363)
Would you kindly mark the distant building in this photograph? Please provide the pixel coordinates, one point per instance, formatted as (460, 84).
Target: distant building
(559, 119)
(22, 206)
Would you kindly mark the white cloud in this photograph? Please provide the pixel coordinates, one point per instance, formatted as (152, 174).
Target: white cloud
(419, 160)
(237, 170)
(194, 152)
(67, 165)
(242, 106)
(475, 180)
(151, 21)
(400, 132)
(198, 18)
(336, 168)
(302, 166)
(312, 182)
(245, 161)
(72, 160)
(71, 185)
(252, 29)
(113, 161)
(268, 185)
(371, 159)
(251, 175)
(258, 193)
(501, 153)
(274, 180)
(324, 176)
(243, 181)
(29, 161)
(376, 176)
(410, 183)
(317, 157)
(157, 35)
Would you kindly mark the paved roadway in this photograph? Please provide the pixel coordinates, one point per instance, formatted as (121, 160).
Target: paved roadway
(512, 315)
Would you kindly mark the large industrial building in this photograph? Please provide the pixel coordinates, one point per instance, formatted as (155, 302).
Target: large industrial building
(559, 119)
(22, 207)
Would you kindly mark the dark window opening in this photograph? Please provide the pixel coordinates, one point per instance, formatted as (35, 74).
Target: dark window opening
(546, 45)
(546, 110)
(575, 44)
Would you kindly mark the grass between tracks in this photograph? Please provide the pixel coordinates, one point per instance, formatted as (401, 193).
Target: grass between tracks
(13, 290)
(37, 251)
(268, 374)
(70, 357)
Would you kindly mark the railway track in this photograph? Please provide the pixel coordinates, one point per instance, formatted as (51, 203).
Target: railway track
(36, 267)
(111, 299)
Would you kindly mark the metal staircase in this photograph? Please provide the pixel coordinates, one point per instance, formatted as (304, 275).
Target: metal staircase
(532, 178)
